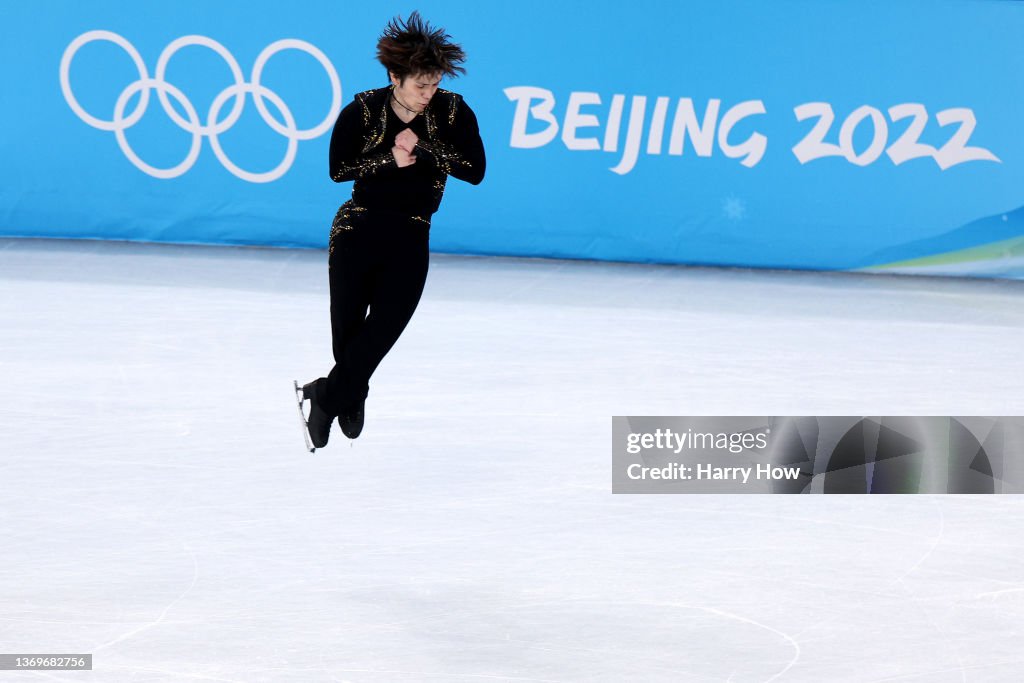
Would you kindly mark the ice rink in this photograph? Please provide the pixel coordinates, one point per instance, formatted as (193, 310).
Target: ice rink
(159, 510)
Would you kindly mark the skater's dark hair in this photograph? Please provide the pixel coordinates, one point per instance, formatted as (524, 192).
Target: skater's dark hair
(411, 47)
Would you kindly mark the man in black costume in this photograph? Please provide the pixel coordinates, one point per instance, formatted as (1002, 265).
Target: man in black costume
(399, 144)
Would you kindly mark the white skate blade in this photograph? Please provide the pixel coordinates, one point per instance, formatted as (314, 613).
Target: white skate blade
(302, 418)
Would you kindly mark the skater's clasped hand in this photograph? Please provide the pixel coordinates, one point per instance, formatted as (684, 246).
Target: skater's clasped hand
(406, 140)
(402, 157)
(405, 143)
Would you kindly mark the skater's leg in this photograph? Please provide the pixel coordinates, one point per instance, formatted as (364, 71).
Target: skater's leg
(350, 271)
(394, 294)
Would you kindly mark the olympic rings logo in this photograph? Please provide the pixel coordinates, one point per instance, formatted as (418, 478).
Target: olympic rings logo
(213, 127)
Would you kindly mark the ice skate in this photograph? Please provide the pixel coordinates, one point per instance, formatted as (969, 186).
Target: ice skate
(351, 421)
(317, 426)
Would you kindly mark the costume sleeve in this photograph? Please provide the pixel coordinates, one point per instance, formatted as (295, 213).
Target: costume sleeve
(347, 160)
(460, 152)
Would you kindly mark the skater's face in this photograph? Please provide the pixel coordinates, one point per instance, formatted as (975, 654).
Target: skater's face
(416, 90)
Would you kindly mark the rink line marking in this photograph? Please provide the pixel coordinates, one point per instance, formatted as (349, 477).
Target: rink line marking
(793, 643)
(943, 634)
(935, 544)
(897, 580)
(159, 619)
(918, 602)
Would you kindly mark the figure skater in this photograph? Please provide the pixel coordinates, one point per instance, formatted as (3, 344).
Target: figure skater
(399, 144)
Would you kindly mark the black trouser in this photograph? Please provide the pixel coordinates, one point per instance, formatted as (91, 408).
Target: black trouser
(380, 264)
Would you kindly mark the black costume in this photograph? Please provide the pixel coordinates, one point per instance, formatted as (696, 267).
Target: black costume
(379, 243)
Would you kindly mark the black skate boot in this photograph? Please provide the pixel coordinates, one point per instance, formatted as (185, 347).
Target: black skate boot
(319, 422)
(351, 420)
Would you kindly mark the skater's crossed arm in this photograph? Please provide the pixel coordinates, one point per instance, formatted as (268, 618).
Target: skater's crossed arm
(347, 160)
(404, 149)
(458, 149)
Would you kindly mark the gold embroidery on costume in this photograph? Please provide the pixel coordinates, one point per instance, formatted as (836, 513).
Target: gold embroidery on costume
(343, 218)
(442, 110)
(375, 136)
(364, 167)
(453, 104)
(445, 154)
(342, 222)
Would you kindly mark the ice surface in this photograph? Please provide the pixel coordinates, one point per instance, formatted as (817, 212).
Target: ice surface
(159, 511)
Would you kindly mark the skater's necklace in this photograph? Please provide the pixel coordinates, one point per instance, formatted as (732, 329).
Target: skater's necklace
(395, 98)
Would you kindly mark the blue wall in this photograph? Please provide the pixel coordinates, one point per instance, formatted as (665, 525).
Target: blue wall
(795, 133)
